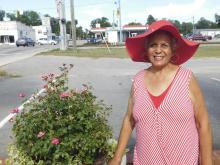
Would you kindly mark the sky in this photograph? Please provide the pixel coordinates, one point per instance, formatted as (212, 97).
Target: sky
(131, 10)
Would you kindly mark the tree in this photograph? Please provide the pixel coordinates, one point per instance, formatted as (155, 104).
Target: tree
(134, 23)
(103, 21)
(203, 23)
(11, 16)
(30, 18)
(68, 27)
(217, 20)
(186, 27)
(177, 24)
(55, 27)
(2, 15)
(79, 32)
(150, 19)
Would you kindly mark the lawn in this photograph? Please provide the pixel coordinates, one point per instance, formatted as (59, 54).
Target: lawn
(3, 73)
(208, 51)
(90, 52)
(120, 52)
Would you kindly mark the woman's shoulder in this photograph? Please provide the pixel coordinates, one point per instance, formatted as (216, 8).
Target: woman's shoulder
(185, 69)
(139, 74)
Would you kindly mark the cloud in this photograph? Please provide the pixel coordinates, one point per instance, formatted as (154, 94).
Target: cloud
(94, 11)
(176, 10)
(89, 13)
(172, 11)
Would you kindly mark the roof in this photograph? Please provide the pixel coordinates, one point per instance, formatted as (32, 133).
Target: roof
(125, 27)
(135, 27)
(98, 29)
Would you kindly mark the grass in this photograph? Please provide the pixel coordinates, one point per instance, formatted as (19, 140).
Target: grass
(114, 52)
(208, 51)
(90, 52)
(3, 73)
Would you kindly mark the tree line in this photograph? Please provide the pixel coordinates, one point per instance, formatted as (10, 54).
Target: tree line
(187, 27)
(32, 18)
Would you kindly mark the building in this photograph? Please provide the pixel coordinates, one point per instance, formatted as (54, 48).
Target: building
(10, 31)
(112, 34)
(44, 30)
(208, 32)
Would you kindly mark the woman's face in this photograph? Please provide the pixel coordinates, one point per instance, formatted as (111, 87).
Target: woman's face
(160, 49)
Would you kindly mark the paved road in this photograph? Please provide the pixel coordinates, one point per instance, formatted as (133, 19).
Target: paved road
(11, 53)
(111, 79)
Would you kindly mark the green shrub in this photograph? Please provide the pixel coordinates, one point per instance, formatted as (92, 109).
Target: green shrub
(62, 126)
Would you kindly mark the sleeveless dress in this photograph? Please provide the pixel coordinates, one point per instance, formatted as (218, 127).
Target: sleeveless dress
(167, 134)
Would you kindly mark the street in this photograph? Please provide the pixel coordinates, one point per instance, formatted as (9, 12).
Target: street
(11, 53)
(111, 80)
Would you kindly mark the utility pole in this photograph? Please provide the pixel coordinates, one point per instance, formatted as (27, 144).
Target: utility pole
(113, 24)
(62, 22)
(119, 8)
(193, 25)
(73, 24)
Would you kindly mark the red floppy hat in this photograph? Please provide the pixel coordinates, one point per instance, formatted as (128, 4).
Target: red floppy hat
(137, 49)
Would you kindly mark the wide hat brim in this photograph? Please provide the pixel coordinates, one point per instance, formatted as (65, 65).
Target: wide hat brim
(137, 49)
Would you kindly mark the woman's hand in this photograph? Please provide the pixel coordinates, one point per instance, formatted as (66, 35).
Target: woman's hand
(114, 161)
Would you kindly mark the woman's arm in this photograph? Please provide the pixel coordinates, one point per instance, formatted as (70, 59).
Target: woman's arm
(125, 133)
(202, 122)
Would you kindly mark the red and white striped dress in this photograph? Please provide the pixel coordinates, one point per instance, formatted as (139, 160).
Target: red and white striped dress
(166, 135)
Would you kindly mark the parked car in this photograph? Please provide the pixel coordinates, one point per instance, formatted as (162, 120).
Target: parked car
(208, 37)
(25, 42)
(197, 37)
(216, 38)
(94, 40)
(45, 41)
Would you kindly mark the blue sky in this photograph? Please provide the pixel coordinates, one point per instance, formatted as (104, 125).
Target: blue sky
(132, 10)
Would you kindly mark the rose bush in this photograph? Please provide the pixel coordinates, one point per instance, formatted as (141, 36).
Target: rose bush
(62, 126)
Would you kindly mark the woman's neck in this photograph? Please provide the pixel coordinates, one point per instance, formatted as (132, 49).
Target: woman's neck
(160, 70)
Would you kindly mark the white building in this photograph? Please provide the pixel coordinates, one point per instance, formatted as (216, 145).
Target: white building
(112, 34)
(44, 30)
(41, 31)
(10, 31)
(208, 32)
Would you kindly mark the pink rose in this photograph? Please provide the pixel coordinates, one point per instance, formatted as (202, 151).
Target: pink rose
(45, 86)
(51, 75)
(40, 134)
(15, 110)
(21, 95)
(85, 88)
(55, 141)
(44, 78)
(65, 94)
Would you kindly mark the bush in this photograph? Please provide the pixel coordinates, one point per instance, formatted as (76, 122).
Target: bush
(62, 126)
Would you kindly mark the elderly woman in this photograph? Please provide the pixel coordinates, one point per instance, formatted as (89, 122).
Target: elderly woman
(166, 105)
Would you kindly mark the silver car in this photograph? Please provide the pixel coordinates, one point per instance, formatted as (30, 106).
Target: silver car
(25, 42)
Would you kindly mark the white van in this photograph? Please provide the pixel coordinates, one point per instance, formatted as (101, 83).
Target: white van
(45, 41)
